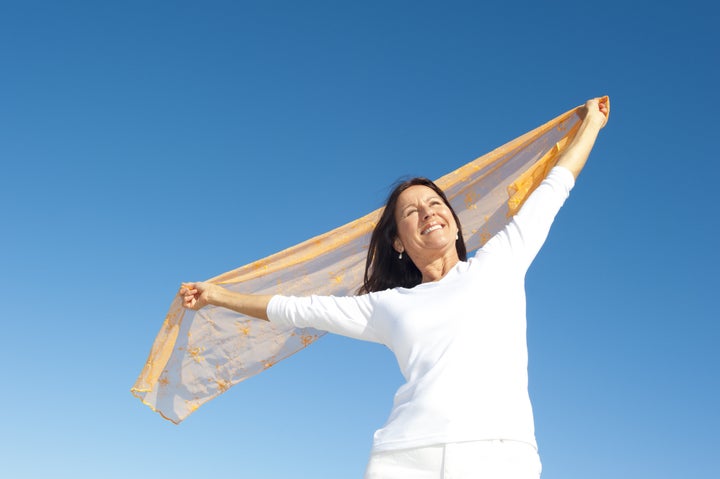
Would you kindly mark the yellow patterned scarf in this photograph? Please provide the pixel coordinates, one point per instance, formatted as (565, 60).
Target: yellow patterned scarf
(199, 355)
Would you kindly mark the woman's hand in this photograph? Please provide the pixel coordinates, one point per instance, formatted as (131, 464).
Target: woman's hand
(196, 295)
(596, 111)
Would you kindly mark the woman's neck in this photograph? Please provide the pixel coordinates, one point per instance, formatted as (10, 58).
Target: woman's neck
(436, 270)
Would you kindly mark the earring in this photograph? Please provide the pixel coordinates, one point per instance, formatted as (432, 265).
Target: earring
(457, 236)
(400, 255)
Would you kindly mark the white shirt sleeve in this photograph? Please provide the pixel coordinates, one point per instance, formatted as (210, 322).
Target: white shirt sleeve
(523, 237)
(349, 316)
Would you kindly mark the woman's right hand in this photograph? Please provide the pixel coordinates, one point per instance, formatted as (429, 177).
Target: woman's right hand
(196, 295)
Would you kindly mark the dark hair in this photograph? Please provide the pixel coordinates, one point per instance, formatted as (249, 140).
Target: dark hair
(383, 269)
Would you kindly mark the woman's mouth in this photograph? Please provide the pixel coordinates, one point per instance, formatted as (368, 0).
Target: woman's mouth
(430, 229)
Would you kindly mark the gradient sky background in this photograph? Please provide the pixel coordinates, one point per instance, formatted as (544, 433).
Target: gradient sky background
(147, 143)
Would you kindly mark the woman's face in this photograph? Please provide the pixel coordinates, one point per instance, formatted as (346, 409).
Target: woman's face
(425, 224)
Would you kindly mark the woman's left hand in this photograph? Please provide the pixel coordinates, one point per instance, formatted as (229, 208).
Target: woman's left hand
(597, 111)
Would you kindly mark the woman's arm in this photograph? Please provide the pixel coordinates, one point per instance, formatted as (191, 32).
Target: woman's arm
(595, 117)
(348, 316)
(200, 294)
(523, 237)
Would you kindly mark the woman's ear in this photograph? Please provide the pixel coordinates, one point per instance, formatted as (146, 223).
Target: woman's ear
(397, 244)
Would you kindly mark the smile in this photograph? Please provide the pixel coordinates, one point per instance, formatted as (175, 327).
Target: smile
(430, 229)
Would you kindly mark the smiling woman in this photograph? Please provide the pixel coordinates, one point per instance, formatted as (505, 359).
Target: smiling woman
(406, 204)
(427, 231)
(456, 325)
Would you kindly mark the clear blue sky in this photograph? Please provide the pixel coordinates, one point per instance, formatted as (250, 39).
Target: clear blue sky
(147, 143)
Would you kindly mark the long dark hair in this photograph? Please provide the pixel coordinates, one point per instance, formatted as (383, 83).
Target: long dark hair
(383, 268)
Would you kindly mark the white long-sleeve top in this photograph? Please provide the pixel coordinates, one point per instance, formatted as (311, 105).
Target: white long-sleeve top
(460, 341)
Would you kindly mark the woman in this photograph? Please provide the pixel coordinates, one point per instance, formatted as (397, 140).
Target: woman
(456, 326)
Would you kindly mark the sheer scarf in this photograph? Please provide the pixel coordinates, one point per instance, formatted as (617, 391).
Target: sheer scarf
(198, 355)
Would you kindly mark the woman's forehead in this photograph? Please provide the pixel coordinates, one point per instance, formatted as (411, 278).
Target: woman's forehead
(416, 193)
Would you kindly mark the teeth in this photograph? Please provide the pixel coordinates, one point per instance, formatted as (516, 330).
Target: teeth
(432, 228)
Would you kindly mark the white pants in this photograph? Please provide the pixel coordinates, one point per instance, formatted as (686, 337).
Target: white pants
(496, 459)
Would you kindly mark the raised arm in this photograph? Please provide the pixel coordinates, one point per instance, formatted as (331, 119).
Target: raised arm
(523, 237)
(200, 294)
(595, 116)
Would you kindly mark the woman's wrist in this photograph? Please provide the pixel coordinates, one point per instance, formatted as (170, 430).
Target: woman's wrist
(215, 295)
(596, 121)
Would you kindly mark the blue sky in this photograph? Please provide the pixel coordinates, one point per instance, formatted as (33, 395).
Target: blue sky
(148, 143)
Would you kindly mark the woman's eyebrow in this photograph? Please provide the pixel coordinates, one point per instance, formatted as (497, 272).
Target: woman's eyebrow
(427, 199)
(409, 205)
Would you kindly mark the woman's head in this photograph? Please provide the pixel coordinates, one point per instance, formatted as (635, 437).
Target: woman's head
(417, 220)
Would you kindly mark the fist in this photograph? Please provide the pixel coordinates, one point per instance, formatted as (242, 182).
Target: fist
(597, 110)
(195, 295)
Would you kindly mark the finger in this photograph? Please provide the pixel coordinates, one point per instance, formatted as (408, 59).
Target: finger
(605, 101)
